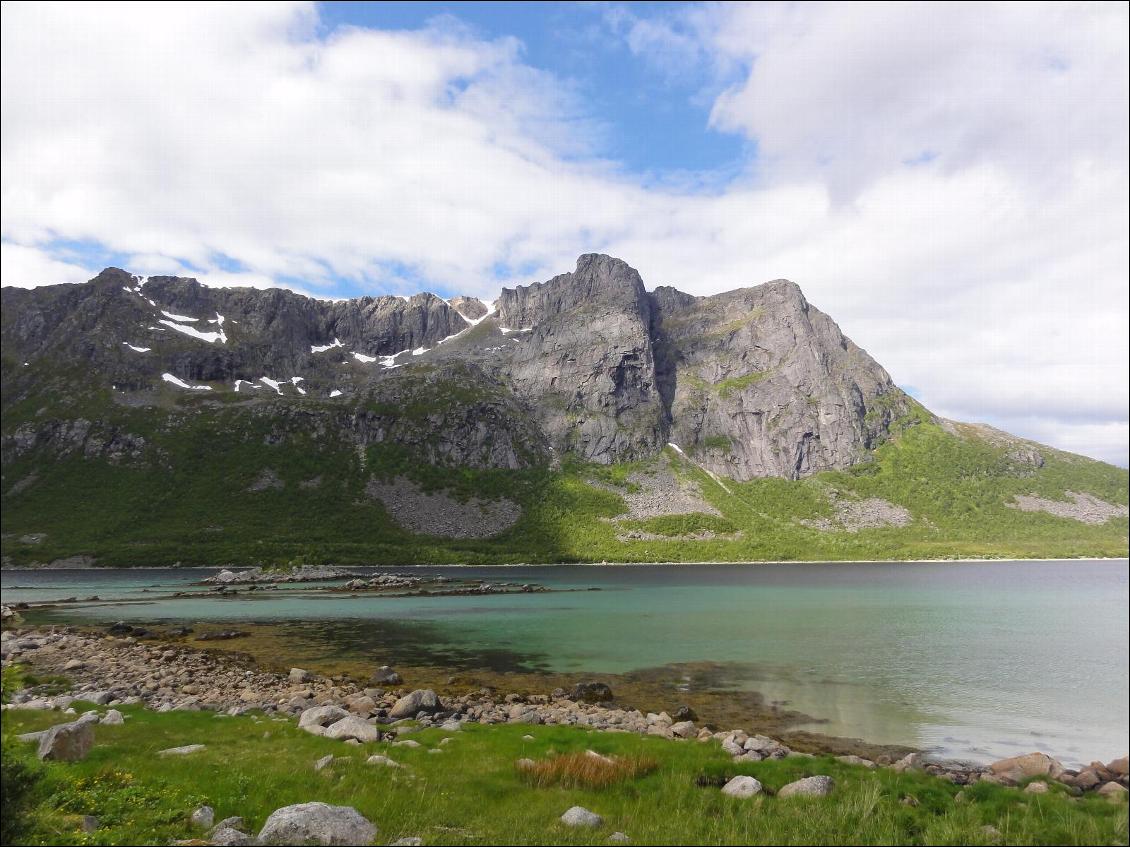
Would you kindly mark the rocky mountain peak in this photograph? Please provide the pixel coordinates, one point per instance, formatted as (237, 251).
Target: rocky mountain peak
(750, 382)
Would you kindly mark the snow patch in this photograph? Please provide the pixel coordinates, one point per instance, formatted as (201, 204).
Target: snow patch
(420, 351)
(195, 333)
(182, 384)
(248, 383)
(294, 380)
(506, 330)
(314, 348)
(361, 357)
(172, 317)
(273, 383)
(390, 361)
(137, 349)
(335, 393)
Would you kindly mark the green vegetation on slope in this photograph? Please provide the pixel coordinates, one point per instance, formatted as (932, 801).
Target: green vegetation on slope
(472, 792)
(196, 497)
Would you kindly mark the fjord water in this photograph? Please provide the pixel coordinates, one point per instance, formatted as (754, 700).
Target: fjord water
(973, 660)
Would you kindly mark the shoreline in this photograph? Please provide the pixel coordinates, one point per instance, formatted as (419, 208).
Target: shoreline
(602, 564)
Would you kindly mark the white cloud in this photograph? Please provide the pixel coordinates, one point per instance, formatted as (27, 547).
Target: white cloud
(949, 182)
(27, 267)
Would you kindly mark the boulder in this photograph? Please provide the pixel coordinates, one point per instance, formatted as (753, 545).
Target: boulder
(421, 700)
(229, 836)
(1112, 791)
(742, 786)
(1118, 767)
(112, 718)
(1036, 788)
(911, 761)
(298, 675)
(591, 692)
(352, 726)
(315, 720)
(1018, 768)
(810, 786)
(324, 762)
(683, 729)
(361, 704)
(67, 742)
(580, 816)
(317, 823)
(203, 817)
(385, 675)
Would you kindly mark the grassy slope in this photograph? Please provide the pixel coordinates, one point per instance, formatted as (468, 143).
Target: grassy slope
(472, 793)
(190, 503)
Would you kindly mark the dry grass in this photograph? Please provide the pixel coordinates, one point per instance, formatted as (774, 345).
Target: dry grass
(585, 770)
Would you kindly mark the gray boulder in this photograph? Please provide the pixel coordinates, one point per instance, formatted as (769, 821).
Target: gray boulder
(315, 720)
(352, 726)
(317, 823)
(112, 718)
(385, 675)
(421, 700)
(742, 786)
(204, 817)
(229, 836)
(68, 742)
(811, 786)
(580, 816)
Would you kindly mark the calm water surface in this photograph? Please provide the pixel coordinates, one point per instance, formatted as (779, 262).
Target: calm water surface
(972, 660)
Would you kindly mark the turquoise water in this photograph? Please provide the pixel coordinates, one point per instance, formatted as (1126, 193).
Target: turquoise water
(972, 660)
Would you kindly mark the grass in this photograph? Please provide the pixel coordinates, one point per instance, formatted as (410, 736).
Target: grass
(472, 793)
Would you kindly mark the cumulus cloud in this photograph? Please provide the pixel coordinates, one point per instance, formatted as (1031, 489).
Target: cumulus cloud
(949, 182)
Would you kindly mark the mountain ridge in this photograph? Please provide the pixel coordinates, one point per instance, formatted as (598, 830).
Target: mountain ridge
(607, 422)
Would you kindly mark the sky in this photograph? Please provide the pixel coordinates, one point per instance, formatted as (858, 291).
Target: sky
(950, 182)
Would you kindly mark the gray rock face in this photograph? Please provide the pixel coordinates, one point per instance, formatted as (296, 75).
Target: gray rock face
(586, 363)
(753, 382)
(760, 383)
(68, 742)
(317, 823)
(422, 700)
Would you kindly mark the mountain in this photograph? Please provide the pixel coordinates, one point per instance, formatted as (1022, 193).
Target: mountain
(150, 421)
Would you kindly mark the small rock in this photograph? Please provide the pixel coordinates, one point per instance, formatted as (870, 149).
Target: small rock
(229, 836)
(324, 762)
(683, 729)
(619, 838)
(317, 823)
(74, 665)
(580, 816)
(591, 692)
(112, 718)
(408, 742)
(203, 817)
(385, 675)
(298, 675)
(421, 700)
(382, 760)
(856, 760)
(742, 786)
(1036, 788)
(410, 841)
(525, 764)
(811, 786)
(181, 751)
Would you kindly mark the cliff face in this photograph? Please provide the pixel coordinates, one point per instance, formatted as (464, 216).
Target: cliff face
(753, 382)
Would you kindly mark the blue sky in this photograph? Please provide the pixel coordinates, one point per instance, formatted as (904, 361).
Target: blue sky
(893, 159)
